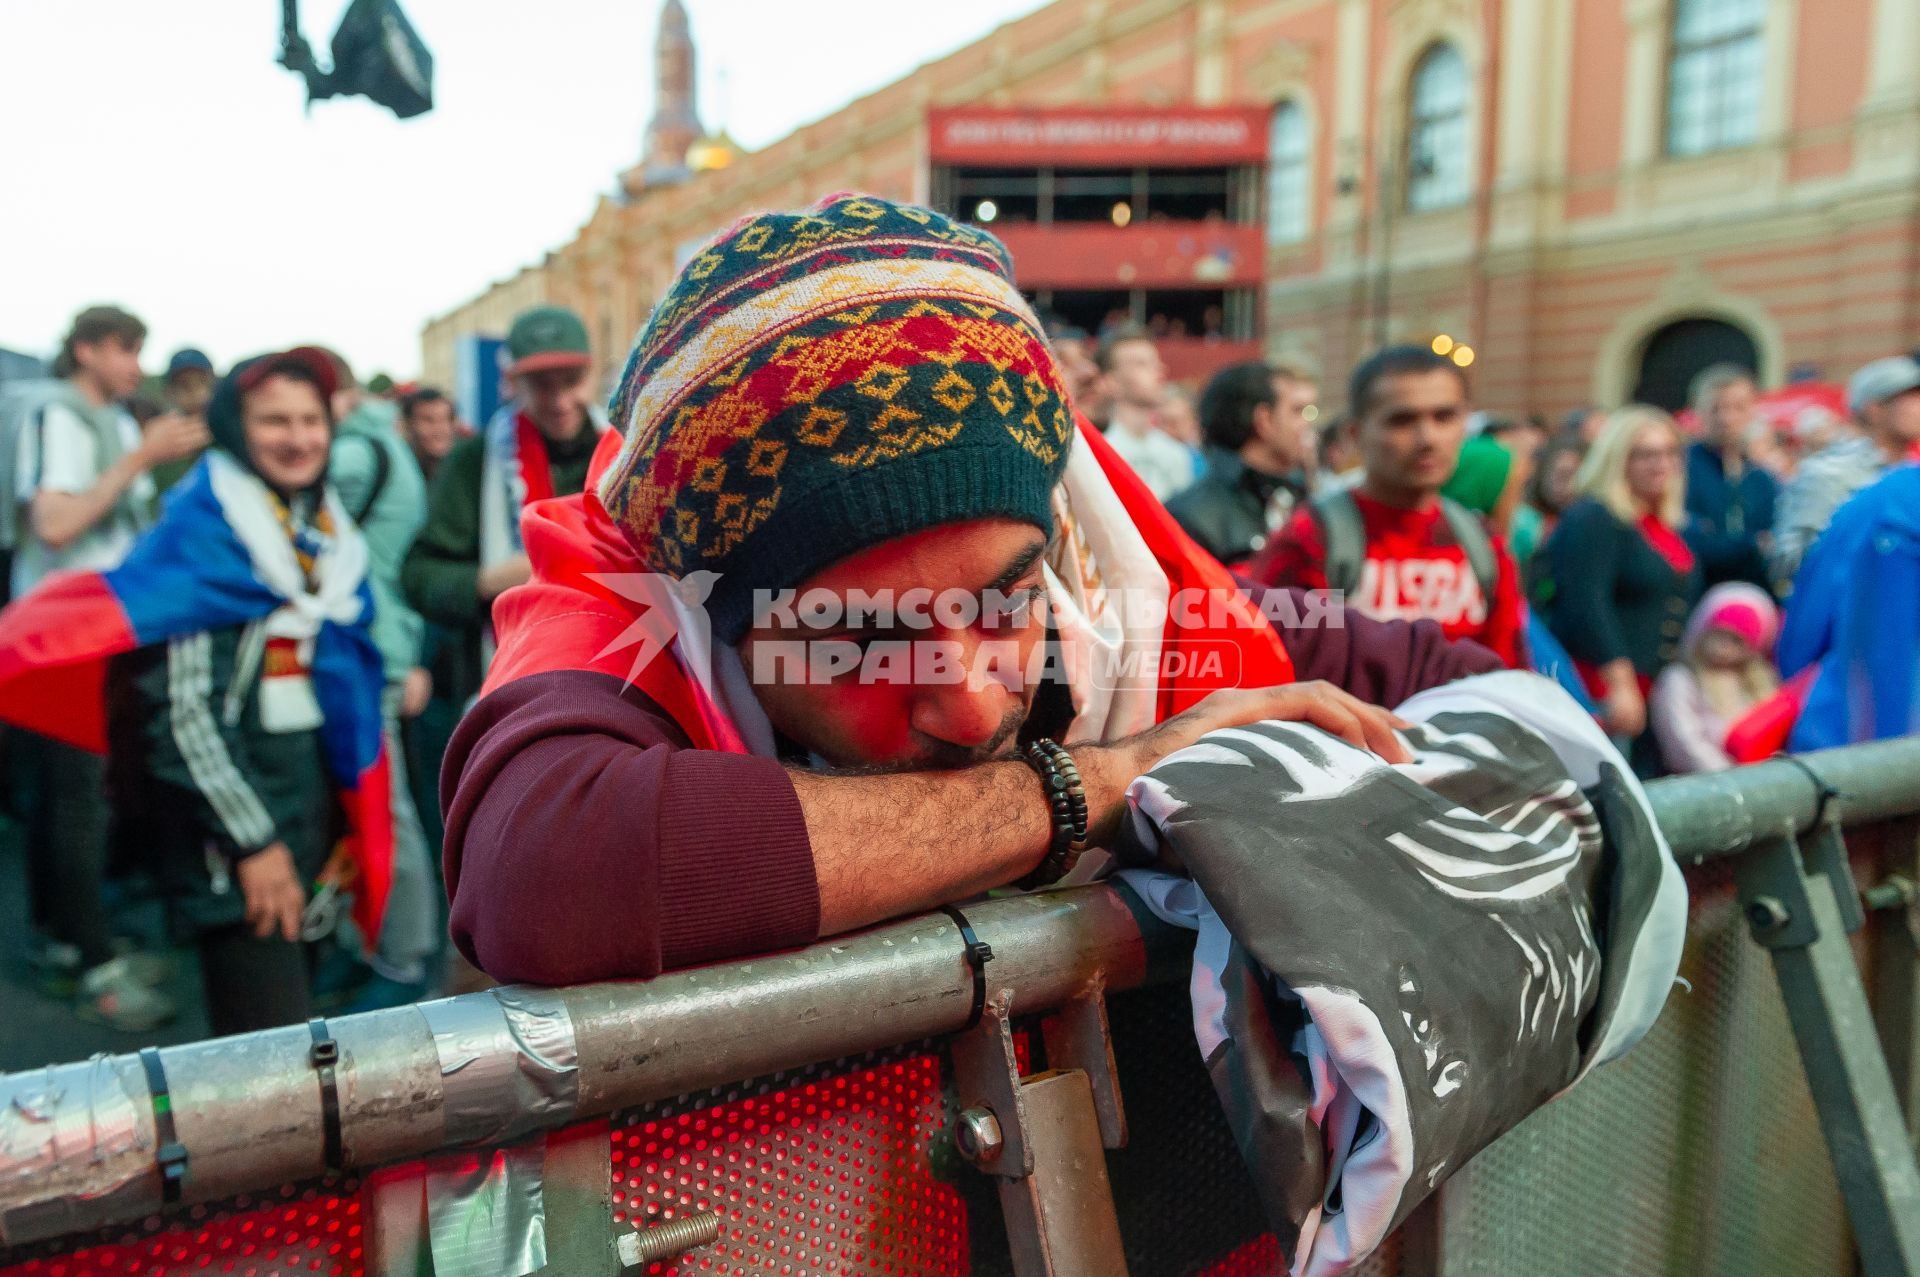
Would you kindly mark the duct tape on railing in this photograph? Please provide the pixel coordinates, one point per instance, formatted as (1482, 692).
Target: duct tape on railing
(508, 1064)
(70, 1135)
(509, 1069)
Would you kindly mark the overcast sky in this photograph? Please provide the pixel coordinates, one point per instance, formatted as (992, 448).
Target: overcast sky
(153, 154)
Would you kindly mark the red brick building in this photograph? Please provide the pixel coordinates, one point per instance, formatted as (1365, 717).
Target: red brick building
(1597, 196)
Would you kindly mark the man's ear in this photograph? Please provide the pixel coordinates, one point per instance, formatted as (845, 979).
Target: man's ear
(1263, 415)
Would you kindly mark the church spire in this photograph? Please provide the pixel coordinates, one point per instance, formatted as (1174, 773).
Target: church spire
(676, 122)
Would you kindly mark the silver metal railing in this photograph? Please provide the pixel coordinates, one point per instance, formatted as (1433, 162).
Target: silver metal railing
(78, 1141)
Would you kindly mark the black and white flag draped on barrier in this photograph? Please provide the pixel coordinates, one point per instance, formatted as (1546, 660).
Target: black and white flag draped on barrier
(1396, 964)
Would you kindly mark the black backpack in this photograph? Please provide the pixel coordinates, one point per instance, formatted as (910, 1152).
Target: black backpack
(382, 471)
(1345, 535)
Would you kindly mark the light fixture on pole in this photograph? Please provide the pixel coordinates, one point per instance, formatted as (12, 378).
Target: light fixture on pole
(376, 53)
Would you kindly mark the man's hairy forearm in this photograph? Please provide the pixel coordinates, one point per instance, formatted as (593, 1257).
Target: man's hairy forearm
(889, 845)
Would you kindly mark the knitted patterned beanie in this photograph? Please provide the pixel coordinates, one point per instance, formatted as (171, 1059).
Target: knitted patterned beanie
(816, 383)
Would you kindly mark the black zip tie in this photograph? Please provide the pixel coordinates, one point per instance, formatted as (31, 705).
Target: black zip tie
(171, 1154)
(1824, 792)
(979, 954)
(324, 1055)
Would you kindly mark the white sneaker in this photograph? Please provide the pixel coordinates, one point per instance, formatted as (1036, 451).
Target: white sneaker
(149, 968)
(113, 994)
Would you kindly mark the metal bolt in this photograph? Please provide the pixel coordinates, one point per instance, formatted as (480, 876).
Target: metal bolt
(977, 1135)
(1765, 913)
(1897, 892)
(669, 1240)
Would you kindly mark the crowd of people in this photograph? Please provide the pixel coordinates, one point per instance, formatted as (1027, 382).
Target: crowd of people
(215, 789)
(1640, 558)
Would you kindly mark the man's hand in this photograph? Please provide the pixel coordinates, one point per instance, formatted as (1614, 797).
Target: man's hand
(496, 579)
(1107, 770)
(1625, 711)
(172, 437)
(415, 692)
(274, 896)
(61, 518)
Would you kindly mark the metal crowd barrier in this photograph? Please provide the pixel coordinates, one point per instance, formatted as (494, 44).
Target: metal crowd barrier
(832, 1111)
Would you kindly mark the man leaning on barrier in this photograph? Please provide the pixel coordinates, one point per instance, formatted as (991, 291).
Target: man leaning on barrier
(795, 662)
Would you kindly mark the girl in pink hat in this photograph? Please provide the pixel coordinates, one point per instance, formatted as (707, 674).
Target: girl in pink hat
(1726, 668)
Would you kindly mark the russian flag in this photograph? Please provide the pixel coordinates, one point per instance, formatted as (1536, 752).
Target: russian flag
(218, 557)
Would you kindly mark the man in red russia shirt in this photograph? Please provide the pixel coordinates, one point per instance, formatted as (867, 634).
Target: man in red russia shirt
(1411, 408)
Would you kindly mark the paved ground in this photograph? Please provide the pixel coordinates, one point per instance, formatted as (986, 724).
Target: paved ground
(36, 1030)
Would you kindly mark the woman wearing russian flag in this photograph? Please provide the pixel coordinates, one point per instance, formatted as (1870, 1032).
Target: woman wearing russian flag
(226, 669)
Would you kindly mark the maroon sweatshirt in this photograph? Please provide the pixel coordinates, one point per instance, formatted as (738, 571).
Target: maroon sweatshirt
(586, 839)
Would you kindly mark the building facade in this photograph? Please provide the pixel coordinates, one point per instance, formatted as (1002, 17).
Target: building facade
(1135, 215)
(1596, 196)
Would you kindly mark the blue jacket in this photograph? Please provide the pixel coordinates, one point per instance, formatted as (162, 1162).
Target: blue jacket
(1855, 612)
(1728, 516)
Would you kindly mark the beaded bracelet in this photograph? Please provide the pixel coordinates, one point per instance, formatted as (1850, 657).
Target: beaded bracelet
(1076, 791)
(1067, 804)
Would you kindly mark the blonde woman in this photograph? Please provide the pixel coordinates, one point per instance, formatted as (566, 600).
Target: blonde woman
(1619, 581)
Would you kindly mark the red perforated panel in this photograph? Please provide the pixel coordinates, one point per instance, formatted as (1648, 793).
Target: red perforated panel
(286, 1234)
(827, 1175)
(1258, 1258)
(1261, 1258)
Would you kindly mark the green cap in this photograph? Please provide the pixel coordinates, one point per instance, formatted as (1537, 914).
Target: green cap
(1481, 474)
(547, 337)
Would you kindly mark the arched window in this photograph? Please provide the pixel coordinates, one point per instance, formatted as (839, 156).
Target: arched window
(1714, 78)
(1289, 175)
(1439, 150)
